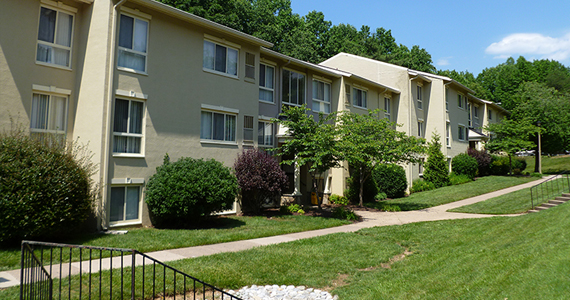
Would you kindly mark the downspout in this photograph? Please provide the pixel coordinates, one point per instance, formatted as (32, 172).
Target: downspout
(107, 135)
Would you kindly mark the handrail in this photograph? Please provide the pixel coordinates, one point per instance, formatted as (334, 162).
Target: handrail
(125, 276)
(552, 186)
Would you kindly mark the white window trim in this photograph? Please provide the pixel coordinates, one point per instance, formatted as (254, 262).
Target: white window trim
(387, 112)
(272, 133)
(225, 111)
(250, 79)
(263, 62)
(52, 91)
(318, 79)
(281, 85)
(446, 103)
(357, 87)
(462, 101)
(419, 98)
(59, 7)
(476, 109)
(465, 137)
(141, 135)
(143, 17)
(223, 43)
(126, 182)
(421, 129)
(448, 134)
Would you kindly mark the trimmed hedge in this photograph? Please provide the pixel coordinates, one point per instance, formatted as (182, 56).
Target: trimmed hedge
(500, 165)
(46, 189)
(185, 192)
(390, 179)
(464, 164)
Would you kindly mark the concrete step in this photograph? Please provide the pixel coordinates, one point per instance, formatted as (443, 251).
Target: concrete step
(565, 199)
(556, 202)
(566, 195)
(548, 204)
(541, 207)
(532, 211)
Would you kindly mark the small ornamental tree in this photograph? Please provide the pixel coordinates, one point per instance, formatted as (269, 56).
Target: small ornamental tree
(510, 137)
(185, 192)
(259, 178)
(436, 170)
(483, 160)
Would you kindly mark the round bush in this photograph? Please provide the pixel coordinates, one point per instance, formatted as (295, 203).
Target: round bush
(45, 188)
(390, 179)
(185, 192)
(420, 185)
(499, 165)
(464, 164)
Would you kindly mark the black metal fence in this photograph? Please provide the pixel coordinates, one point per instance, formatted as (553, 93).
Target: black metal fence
(60, 271)
(548, 189)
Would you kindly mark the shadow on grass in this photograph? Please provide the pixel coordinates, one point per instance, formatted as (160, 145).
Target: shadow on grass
(391, 206)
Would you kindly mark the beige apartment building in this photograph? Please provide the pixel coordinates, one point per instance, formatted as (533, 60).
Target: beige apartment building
(136, 79)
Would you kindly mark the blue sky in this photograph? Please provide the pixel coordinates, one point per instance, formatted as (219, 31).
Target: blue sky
(461, 35)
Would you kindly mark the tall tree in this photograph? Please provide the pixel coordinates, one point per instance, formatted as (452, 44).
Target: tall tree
(436, 169)
(365, 141)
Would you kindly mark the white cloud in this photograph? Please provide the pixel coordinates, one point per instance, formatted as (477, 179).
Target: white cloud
(444, 61)
(532, 44)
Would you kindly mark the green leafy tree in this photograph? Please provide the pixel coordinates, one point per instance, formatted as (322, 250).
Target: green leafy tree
(436, 169)
(312, 142)
(510, 136)
(365, 141)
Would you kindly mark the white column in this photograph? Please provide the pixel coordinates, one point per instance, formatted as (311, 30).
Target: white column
(297, 180)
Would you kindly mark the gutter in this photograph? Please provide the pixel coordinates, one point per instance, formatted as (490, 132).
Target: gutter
(107, 135)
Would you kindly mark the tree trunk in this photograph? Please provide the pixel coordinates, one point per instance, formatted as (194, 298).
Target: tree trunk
(361, 194)
(536, 160)
(511, 165)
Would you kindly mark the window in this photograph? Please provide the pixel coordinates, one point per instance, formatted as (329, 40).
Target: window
(266, 81)
(447, 135)
(420, 128)
(293, 87)
(49, 114)
(265, 134)
(125, 203)
(460, 101)
(469, 114)
(218, 126)
(359, 98)
(490, 114)
(249, 65)
(476, 112)
(133, 36)
(446, 103)
(347, 93)
(387, 108)
(461, 132)
(248, 128)
(54, 37)
(220, 58)
(127, 126)
(321, 96)
(419, 96)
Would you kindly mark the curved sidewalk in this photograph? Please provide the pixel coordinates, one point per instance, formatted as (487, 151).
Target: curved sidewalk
(369, 219)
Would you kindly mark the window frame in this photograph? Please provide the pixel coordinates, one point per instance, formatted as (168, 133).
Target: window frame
(419, 98)
(129, 134)
(462, 133)
(446, 103)
(355, 94)
(460, 101)
(62, 9)
(227, 47)
(265, 123)
(249, 66)
(304, 94)
(324, 101)
(124, 221)
(225, 114)
(421, 129)
(469, 116)
(490, 117)
(447, 134)
(264, 87)
(49, 116)
(248, 119)
(387, 108)
(136, 16)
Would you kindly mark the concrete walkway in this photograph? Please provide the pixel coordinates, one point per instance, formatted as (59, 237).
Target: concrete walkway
(369, 219)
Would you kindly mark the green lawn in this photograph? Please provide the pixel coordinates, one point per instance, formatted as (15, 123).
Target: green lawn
(550, 165)
(225, 229)
(453, 193)
(524, 257)
(512, 203)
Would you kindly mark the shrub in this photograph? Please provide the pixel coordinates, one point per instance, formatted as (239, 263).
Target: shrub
(259, 178)
(369, 192)
(292, 208)
(380, 196)
(45, 187)
(390, 179)
(436, 170)
(464, 164)
(339, 200)
(499, 165)
(459, 179)
(344, 213)
(185, 192)
(391, 208)
(483, 161)
(420, 185)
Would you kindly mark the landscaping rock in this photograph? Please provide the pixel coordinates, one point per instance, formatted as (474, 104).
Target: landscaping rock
(283, 292)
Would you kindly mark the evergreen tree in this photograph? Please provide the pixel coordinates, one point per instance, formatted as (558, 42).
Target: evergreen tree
(436, 169)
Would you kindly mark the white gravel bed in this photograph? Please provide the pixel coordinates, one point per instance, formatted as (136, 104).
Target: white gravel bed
(283, 292)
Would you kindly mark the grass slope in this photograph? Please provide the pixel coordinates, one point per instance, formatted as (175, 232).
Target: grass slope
(453, 193)
(550, 165)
